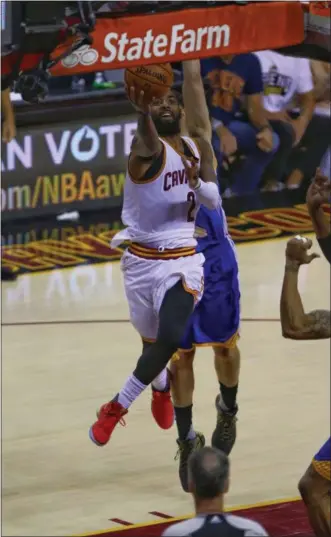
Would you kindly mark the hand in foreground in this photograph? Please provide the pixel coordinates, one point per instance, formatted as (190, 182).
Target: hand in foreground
(138, 99)
(297, 251)
(192, 172)
(319, 191)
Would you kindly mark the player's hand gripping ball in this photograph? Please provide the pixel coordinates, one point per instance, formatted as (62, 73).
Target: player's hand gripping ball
(297, 251)
(146, 82)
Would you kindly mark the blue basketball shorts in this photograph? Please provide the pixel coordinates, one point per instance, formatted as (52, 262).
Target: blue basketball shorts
(322, 460)
(215, 320)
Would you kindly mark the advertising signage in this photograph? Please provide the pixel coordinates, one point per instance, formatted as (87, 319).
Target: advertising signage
(64, 167)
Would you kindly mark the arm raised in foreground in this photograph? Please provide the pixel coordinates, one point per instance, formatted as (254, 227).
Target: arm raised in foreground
(199, 128)
(296, 324)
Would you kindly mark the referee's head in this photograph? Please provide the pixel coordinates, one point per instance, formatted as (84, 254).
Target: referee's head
(208, 474)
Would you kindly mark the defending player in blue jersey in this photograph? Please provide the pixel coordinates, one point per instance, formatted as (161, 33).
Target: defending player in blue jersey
(215, 321)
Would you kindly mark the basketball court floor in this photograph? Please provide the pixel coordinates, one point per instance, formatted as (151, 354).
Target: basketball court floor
(67, 347)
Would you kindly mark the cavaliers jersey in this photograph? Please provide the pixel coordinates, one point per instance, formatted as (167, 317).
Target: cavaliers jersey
(160, 210)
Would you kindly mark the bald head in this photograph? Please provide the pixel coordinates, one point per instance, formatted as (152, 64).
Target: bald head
(208, 473)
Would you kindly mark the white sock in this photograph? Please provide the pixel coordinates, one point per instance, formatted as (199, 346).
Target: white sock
(191, 434)
(161, 382)
(131, 390)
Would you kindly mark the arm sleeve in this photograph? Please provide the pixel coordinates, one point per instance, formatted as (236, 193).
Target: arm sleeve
(325, 245)
(254, 83)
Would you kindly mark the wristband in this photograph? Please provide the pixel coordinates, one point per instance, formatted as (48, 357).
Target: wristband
(207, 194)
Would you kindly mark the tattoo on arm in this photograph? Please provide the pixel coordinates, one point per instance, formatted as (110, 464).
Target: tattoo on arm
(318, 324)
(296, 324)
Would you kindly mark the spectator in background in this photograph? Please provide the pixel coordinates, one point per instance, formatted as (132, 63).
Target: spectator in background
(287, 79)
(308, 154)
(322, 90)
(232, 78)
(208, 483)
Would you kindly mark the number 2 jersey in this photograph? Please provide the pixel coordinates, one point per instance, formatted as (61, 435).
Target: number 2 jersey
(159, 210)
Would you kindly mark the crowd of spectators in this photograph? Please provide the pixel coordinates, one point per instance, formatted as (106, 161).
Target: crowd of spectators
(270, 115)
(292, 95)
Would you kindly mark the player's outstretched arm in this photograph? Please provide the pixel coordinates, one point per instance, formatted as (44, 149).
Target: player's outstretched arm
(296, 324)
(198, 126)
(196, 110)
(146, 144)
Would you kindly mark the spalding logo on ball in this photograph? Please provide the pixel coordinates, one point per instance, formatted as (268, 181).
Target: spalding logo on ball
(154, 80)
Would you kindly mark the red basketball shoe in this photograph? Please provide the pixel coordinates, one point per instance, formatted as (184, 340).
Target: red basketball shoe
(162, 409)
(109, 416)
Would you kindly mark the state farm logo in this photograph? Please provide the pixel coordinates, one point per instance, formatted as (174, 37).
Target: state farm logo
(180, 40)
(83, 56)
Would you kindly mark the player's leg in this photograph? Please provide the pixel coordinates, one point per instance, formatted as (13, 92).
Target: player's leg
(161, 403)
(182, 388)
(316, 493)
(315, 490)
(175, 307)
(217, 326)
(227, 367)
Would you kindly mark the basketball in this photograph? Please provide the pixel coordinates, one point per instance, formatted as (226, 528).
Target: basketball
(154, 80)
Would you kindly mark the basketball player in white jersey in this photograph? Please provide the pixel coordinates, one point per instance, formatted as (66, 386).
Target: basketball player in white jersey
(168, 177)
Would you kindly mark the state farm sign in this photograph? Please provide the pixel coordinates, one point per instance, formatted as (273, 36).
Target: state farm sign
(180, 35)
(121, 48)
(187, 34)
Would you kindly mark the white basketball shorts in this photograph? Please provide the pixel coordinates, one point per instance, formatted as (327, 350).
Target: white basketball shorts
(146, 282)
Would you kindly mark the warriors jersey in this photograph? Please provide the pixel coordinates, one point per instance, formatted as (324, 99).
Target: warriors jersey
(159, 211)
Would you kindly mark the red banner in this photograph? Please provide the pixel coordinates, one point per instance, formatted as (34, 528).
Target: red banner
(180, 35)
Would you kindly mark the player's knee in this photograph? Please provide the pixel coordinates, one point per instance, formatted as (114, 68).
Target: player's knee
(170, 338)
(183, 360)
(222, 353)
(226, 353)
